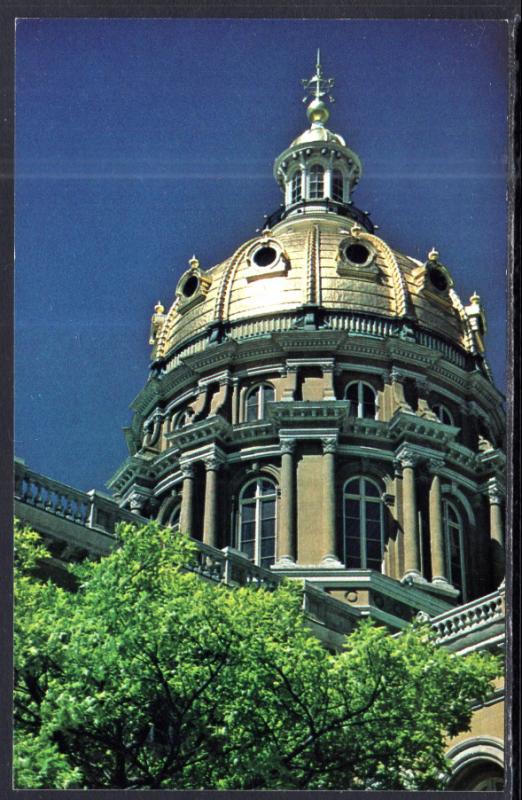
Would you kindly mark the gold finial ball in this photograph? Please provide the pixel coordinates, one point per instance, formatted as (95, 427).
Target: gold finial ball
(475, 298)
(317, 112)
(194, 262)
(159, 308)
(433, 255)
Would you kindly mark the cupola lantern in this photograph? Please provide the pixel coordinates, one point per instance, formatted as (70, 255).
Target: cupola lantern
(318, 172)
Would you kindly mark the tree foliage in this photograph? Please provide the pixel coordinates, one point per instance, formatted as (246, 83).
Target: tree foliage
(149, 676)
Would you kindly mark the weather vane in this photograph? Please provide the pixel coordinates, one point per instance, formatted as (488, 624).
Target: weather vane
(318, 86)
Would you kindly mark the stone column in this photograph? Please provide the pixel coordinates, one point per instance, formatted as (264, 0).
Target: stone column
(187, 500)
(211, 500)
(286, 545)
(235, 401)
(330, 540)
(409, 516)
(496, 529)
(438, 560)
(328, 378)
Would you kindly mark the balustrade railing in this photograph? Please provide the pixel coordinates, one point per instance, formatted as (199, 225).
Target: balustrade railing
(469, 617)
(89, 509)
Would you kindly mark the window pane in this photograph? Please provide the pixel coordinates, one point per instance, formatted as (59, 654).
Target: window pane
(268, 392)
(267, 547)
(249, 491)
(266, 487)
(352, 486)
(296, 187)
(337, 185)
(353, 551)
(373, 512)
(316, 182)
(351, 509)
(370, 489)
(373, 530)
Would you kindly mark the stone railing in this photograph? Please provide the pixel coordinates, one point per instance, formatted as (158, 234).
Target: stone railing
(231, 567)
(91, 510)
(469, 618)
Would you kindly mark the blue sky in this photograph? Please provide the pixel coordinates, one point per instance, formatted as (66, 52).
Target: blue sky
(140, 142)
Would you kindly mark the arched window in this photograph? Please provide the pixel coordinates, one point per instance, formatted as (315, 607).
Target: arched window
(296, 187)
(362, 400)
(256, 400)
(444, 414)
(257, 521)
(454, 539)
(316, 182)
(173, 519)
(363, 524)
(337, 185)
(180, 420)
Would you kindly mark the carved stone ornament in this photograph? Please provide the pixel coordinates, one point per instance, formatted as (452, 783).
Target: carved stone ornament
(136, 502)
(329, 444)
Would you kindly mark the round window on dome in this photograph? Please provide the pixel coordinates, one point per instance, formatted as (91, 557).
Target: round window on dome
(266, 256)
(190, 286)
(438, 279)
(357, 254)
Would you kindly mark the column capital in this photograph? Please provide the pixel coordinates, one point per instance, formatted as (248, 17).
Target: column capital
(213, 463)
(187, 469)
(406, 458)
(287, 446)
(435, 465)
(329, 444)
(495, 492)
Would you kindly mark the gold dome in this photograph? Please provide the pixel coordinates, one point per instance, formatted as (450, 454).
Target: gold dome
(318, 264)
(315, 260)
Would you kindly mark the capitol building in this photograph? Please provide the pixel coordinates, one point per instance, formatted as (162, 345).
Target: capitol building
(319, 406)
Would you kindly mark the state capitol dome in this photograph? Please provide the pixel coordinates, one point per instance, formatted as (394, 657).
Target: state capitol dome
(320, 402)
(318, 262)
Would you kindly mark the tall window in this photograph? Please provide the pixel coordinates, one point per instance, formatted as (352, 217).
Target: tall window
(173, 520)
(363, 524)
(257, 521)
(337, 185)
(180, 420)
(443, 413)
(362, 400)
(316, 182)
(296, 187)
(453, 535)
(257, 398)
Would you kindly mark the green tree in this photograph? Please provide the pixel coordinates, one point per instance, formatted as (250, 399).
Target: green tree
(149, 676)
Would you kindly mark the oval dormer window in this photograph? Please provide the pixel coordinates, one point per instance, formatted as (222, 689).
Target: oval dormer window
(438, 279)
(266, 256)
(190, 286)
(357, 254)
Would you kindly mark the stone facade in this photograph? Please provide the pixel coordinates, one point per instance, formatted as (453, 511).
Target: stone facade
(319, 406)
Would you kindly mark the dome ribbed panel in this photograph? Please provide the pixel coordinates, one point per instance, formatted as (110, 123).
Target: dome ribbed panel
(311, 257)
